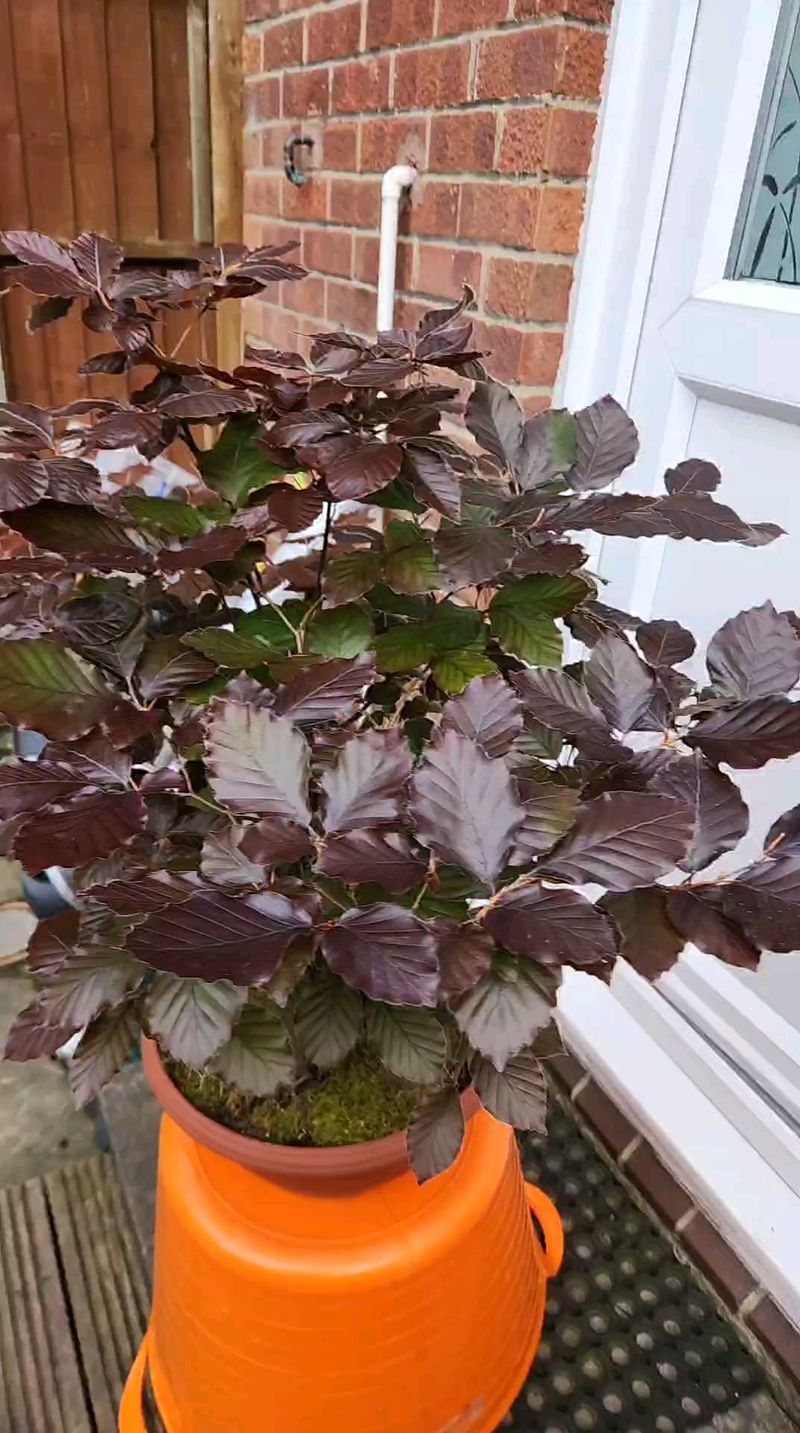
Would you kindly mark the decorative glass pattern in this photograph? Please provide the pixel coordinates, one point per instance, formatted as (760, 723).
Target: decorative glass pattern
(770, 247)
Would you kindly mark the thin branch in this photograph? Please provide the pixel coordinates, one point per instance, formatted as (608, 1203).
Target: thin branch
(326, 537)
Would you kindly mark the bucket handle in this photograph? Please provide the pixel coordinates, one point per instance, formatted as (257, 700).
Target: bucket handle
(550, 1223)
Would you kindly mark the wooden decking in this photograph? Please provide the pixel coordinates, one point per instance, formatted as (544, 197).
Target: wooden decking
(73, 1300)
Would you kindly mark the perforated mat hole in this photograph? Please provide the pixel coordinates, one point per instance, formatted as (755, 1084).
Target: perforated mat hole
(584, 1418)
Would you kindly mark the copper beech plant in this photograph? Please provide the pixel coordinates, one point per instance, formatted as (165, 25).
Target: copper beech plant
(354, 798)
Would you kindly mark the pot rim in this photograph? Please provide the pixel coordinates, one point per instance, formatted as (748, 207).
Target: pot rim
(287, 1163)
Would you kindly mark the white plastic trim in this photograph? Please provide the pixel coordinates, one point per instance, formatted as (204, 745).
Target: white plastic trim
(754, 1209)
(395, 182)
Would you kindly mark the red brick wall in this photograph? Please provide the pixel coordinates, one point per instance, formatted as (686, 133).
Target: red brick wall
(495, 100)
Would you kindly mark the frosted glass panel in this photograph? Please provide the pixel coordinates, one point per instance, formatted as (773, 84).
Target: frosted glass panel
(770, 247)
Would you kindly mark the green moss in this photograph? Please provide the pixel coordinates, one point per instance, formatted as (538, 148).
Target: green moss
(357, 1101)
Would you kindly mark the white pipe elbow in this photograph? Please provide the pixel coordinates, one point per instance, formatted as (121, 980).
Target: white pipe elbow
(393, 186)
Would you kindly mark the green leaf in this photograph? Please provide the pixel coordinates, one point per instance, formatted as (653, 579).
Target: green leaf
(164, 515)
(410, 566)
(256, 637)
(532, 637)
(258, 1057)
(453, 670)
(350, 575)
(544, 592)
(522, 616)
(236, 465)
(328, 1017)
(402, 648)
(48, 688)
(452, 627)
(340, 631)
(192, 1018)
(410, 1042)
(396, 604)
(397, 495)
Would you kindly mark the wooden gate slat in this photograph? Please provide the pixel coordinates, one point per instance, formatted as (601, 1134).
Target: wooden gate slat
(86, 68)
(130, 82)
(173, 130)
(13, 193)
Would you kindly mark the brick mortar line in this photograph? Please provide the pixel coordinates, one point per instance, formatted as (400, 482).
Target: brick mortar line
(527, 180)
(441, 42)
(518, 325)
(544, 99)
(509, 26)
(545, 257)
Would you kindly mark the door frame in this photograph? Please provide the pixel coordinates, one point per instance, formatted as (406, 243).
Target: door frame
(698, 1105)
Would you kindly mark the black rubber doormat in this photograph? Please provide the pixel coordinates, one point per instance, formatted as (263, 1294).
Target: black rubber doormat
(631, 1343)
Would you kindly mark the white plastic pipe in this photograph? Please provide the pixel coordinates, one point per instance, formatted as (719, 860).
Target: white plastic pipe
(395, 183)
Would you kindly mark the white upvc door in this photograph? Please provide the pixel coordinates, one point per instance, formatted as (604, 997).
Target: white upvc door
(708, 364)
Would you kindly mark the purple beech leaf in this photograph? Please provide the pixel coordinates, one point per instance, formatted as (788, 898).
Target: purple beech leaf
(361, 468)
(549, 447)
(465, 956)
(411, 1042)
(47, 312)
(307, 427)
(224, 862)
(749, 735)
(166, 667)
(32, 1035)
(276, 841)
(720, 815)
(488, 712)
(27, 786)
(553, 558)
(782, 836)
(464, 806)
(328, 691)
(560, 703)
(503, 1013)
(208, 406)
(191, 1019)
(623, 839)
(108, 628)
(258, 762)
(665, 643)
(328, 1019)
(220, 544)
(766, 900)
(694, 476)
(28, 422)
(384, 857)
(549, 811)
(468, 555)
(606, 443)
(695, 914)
(47, 688)
(619, 682)
(258, 1057)
(702, 519)
(143, 894)
(517, 1095)
(214, 936)
(96, 258)
(386, 952)
(93, 978)
(102, 1052)
(31, 247)
(494, 417)
(23, 481)
(92, 825)
(551, 926)
(367, 785)
(293, 509)
(52, 943)
(435, 1135)
(434, 479)
(755, 654)
(650, 942)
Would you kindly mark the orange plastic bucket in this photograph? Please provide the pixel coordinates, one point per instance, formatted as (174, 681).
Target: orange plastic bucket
(341, 1297)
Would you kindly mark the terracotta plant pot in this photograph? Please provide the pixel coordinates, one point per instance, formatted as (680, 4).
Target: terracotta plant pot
(325, 1291)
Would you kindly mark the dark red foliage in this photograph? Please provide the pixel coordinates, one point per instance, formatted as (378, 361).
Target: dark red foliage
(353, 791)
